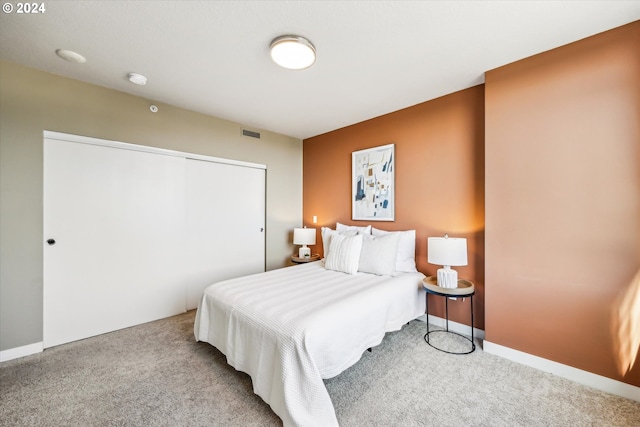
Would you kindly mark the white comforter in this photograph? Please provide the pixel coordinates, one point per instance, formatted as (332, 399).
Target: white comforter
(292, 327)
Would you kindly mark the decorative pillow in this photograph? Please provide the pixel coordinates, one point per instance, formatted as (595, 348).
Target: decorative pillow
(362, 230)
(327, 233)
(344, 253)
(379, 253)
(406, 258)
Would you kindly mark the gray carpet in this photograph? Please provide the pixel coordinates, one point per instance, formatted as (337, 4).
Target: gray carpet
(157, 375)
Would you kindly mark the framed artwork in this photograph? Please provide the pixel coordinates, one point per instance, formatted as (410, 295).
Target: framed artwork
(372, 184)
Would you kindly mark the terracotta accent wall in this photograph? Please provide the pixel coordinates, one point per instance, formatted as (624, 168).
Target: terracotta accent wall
(563, 205)
(439, 148)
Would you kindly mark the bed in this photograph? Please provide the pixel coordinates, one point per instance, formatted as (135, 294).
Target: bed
(292, 327)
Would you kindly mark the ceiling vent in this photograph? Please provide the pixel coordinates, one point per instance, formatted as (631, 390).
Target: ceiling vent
(251, 133)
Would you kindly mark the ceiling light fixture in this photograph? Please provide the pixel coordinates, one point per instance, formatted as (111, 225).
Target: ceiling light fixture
(71, 56)
(293, 52)
(137, 79)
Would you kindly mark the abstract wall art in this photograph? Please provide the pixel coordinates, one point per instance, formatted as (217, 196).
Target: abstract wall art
(373, 190)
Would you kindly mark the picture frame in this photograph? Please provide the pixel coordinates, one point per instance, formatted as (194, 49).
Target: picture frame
(373, 184)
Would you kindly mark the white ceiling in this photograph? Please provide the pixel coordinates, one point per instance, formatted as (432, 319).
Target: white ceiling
(374, 57)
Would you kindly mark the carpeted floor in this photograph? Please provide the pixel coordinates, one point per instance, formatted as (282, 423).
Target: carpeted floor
(157, 375)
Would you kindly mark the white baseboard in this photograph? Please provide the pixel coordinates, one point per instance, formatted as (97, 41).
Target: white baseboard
(25, 350)
(583, 377)
(453, 326)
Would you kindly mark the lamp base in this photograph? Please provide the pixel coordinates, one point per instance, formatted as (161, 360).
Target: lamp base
(447, 277)
(304, 252)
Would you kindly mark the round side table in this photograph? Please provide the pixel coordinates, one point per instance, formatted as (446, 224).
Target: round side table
(465, 289)
(298, 260)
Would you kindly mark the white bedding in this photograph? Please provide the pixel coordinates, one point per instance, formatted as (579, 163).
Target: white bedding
(292, 327)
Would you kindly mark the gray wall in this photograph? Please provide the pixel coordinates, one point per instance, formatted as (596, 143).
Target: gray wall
(32, 101)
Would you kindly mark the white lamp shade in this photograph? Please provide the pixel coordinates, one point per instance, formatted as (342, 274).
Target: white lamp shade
(449, 251)
(304, 236)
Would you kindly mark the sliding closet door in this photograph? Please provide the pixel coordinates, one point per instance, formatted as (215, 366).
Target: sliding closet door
(114, 231)
(225, 224)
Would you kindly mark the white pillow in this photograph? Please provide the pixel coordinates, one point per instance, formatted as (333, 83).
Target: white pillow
(379, 253)
(344, 254)
(361, 230)
(327, 233)
(406, 258)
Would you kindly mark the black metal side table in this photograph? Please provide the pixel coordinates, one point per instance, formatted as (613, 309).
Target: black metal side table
(465, 289)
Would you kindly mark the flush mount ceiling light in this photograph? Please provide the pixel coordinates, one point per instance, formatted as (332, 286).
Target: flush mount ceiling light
(293, 52)
(71, 56)
(137, 79)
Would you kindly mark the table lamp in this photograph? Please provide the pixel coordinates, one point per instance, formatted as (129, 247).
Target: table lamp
(447, 251)
(304, 236)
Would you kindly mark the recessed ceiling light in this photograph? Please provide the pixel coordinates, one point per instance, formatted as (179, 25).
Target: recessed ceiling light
(293, 52)
(137, 79)
(71, 56)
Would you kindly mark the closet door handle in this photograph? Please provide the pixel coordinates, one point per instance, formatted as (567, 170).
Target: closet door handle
(51, 242)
